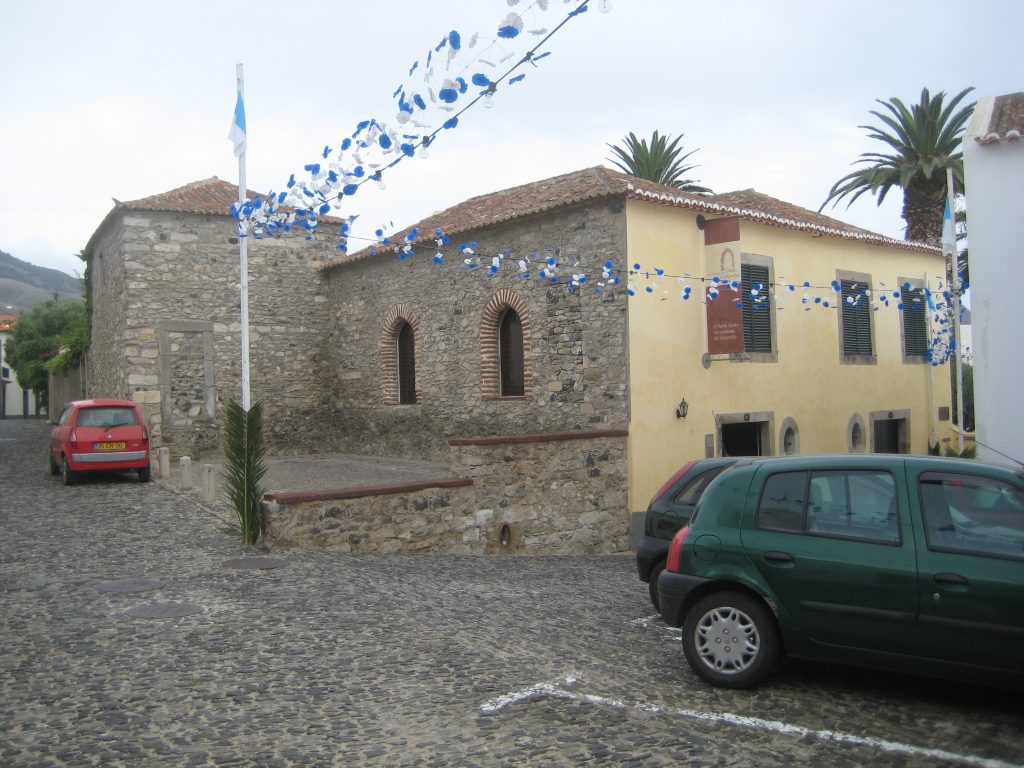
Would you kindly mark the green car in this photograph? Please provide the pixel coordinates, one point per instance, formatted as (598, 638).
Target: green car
(906, 563)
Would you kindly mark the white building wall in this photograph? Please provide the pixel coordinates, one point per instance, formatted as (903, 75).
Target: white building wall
(994, 176)
(13, 399)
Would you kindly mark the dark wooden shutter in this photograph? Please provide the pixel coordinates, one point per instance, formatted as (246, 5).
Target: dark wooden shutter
(915, 323)
(406, 365)
(856, 319)
(757, 314)
(510, 347)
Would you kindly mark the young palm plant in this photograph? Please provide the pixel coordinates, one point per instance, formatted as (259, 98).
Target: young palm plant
(661, 161)
(245, 452)
(925, 141)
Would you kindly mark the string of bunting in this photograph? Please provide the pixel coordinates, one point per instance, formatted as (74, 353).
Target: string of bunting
(544, 265)
(458, 73)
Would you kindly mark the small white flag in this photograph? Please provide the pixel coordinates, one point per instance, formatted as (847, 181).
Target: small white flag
(237, 132)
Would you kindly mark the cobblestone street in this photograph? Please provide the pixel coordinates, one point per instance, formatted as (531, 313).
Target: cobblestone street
(392, 660)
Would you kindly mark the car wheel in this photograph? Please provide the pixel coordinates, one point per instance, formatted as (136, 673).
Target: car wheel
(144, 474)
(730, 639)
(652, 584)
(54, 466)
(65, 471)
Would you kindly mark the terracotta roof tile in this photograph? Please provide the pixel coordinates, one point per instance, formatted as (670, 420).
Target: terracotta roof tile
(599, 182)
(7, 322)
(209, 196)
(999, 118)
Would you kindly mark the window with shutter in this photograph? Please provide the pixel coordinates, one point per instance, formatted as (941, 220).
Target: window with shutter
(915, 323)
(757, 314)
(406, 365)
(510, 351)
(856, 318)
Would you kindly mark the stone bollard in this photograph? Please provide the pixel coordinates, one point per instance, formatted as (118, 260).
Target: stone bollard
(208, 483)
(165, 463)
(186, 473)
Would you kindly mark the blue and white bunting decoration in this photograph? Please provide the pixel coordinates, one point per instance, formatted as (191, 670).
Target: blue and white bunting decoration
(457, 72)
(934, 300)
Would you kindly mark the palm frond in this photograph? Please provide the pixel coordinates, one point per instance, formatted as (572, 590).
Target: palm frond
(924, 138)
(662, 161)
(245, 453)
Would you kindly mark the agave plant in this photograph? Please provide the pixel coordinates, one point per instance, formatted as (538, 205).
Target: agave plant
(245, 452)
(661, 161)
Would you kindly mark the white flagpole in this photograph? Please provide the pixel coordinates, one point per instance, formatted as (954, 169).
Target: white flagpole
(949, 247)
(243, 257)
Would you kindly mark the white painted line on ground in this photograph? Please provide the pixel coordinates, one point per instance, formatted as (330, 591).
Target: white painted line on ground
(655, 622)
(554, 689)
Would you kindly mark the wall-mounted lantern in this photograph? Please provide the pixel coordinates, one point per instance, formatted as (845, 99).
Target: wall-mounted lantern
(682, 409)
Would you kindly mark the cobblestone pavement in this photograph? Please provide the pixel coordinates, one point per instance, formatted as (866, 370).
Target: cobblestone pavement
(392, 660)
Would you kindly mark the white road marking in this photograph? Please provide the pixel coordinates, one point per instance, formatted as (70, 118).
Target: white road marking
(554, 689)
(655, 621)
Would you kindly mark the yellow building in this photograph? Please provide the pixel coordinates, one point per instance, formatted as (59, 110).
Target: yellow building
(825, 371)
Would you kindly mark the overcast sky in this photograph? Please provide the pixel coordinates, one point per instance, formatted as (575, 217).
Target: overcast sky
(124, 100)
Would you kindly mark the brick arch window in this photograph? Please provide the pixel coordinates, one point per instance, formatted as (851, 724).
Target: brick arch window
(504, 342)
(398, 356)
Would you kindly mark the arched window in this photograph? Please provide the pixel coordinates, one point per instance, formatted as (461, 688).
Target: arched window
(505, 340)
(510, 351)
(406, 365)
(399, 327)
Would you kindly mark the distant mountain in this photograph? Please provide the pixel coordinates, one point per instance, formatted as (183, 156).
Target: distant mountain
(23, 285)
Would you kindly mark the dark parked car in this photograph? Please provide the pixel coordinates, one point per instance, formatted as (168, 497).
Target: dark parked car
(670, 510)
(99, 435)
(913, 564)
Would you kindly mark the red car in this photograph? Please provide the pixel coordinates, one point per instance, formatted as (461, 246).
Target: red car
(95, 435)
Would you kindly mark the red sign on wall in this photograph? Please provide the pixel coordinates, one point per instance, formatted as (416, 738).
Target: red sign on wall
(722, 260)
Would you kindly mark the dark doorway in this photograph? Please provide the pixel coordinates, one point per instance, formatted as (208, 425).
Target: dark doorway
(742, 439)
(887, 435)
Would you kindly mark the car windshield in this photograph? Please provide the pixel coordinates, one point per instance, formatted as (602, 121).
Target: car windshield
(106, 417)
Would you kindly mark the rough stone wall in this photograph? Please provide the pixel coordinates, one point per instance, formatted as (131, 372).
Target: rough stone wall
(106, 375)
(577, 352)
(167, 328)
(555, 497)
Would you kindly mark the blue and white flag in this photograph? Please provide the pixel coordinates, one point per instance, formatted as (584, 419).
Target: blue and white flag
(237, 132)
(948, 233)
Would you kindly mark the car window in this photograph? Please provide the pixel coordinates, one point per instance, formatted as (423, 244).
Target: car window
(691, 491)
(106, 417)
(853, 504)
(64, 417)
(782, 502)
(972, 514)
(850, 504)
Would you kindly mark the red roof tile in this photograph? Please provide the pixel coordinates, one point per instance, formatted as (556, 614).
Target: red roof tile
(209, 196)
(599, 182)
(999, 118)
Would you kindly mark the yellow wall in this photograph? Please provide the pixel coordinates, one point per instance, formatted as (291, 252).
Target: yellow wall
(667, 338)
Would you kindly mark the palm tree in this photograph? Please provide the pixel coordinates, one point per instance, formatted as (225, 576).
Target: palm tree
(925, 140)
(661, 162)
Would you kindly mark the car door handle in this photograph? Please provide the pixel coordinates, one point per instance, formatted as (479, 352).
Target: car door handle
(778, 557)
(949, 578)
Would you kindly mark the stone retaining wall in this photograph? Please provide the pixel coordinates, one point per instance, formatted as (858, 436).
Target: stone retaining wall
(562, 493)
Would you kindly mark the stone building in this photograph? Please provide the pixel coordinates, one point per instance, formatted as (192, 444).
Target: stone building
(765, 379)
(164, 291)
(560, 407)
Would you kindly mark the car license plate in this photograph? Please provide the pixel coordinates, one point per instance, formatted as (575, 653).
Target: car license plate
(110, 446)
